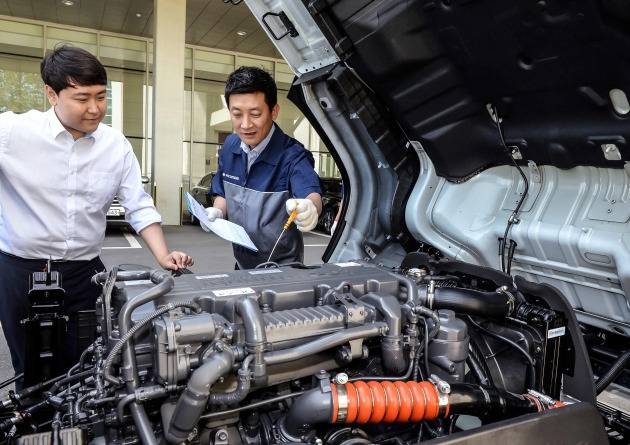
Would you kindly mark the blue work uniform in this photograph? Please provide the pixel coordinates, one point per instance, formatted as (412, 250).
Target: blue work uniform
(256, 199)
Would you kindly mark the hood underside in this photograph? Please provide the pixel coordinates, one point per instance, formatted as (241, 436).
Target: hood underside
(557, 73)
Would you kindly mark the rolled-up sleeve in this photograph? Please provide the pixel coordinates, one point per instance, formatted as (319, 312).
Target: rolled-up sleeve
(140, 210)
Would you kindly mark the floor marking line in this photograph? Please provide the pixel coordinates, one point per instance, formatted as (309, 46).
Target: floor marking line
(133, 242)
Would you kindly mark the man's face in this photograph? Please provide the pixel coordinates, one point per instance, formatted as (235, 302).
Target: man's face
(251, 117)
(79, 108)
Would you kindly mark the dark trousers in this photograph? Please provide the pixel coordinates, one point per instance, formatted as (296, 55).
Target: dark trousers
(80, 295)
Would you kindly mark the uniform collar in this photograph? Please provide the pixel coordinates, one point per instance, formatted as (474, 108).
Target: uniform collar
(274, 146)
(263, 144)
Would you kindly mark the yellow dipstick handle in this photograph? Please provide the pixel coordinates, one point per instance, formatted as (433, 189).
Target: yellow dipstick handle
(291, 218)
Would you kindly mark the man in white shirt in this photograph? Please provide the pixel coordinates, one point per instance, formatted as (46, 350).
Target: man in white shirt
(59, 172)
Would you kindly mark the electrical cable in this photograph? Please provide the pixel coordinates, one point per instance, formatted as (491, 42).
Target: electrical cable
(513, 217)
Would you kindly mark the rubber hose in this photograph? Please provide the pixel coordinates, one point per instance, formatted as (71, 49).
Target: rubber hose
(472, 302)
(613, 372)
(387, 402)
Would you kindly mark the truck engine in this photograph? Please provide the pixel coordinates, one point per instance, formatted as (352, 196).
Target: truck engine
(434, 351)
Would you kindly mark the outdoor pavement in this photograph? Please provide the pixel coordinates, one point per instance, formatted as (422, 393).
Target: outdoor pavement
(211, 254)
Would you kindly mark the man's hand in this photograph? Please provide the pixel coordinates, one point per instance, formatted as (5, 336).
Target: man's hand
(306, 218)
(176, 260)
(213, 213)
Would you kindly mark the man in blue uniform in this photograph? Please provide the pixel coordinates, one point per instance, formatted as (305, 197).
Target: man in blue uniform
(263, 175)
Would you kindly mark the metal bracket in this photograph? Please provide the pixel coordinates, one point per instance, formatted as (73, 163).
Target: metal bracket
(515, 152)
(611, 152)
(285, 21)
(534, 173)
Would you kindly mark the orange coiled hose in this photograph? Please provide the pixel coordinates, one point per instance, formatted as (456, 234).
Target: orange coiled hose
(386, 402)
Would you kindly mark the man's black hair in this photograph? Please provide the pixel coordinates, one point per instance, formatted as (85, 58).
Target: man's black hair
(250, 79)
(69, 65)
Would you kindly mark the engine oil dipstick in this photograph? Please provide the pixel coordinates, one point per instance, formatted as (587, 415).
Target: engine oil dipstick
(286, 226)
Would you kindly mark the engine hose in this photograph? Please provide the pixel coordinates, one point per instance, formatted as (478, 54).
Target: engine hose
(129, 275)
(255, 337)
(242, 387)
(469, 301)
(613, 372)
(387, 305)
(388, 402)
(163, 284)
(193, 400)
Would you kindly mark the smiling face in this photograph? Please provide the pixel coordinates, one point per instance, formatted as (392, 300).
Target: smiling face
(251, 117)
(79, 108)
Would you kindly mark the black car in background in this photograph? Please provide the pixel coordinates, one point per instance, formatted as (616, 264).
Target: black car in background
(331, 200)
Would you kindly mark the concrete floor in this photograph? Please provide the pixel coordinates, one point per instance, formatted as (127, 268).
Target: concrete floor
(211, 254)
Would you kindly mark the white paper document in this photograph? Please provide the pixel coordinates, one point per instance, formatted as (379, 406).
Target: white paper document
(225, 229)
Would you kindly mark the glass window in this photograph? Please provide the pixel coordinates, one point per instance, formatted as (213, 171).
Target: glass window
(211, 117)
(21, 86)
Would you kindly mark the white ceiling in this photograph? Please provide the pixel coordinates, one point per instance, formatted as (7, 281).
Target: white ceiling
(209, 23)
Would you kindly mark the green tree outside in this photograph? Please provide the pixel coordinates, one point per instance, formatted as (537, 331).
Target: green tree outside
(20, 91)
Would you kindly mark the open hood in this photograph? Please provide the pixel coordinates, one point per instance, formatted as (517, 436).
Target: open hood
(488, 132)
(492, 132)
(556, 72)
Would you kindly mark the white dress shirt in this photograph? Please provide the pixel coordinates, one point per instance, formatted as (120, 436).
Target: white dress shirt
(55, 191)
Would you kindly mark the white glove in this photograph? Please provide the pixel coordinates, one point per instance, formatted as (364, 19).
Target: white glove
(213, 213)
(334, 226)
(306, 218)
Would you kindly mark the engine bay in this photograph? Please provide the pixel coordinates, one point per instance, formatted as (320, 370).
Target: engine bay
(435, 351)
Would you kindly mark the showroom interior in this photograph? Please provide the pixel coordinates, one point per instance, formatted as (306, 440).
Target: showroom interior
(167, 61)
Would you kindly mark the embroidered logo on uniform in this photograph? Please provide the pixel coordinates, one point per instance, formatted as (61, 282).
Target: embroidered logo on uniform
(231, 176)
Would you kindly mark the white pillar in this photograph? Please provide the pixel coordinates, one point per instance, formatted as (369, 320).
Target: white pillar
(168, 106)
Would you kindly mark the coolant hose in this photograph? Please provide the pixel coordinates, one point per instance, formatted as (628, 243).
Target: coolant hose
(193, 400)
(255, 337)
(164, 283)
(392, 342)
(126, 275)
(388, 402)
(473, 302)
(609, 376)
(241, 391)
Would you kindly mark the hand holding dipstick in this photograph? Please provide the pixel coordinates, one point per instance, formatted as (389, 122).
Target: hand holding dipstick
(286, 226)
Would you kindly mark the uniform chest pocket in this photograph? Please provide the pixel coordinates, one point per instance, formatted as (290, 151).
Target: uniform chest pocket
(101, 188)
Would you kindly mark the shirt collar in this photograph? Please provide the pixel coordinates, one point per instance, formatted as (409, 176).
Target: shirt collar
(57, 127)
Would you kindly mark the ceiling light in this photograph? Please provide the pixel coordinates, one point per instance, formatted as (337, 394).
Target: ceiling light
(67, 2)
(241, 33)
(138, 15)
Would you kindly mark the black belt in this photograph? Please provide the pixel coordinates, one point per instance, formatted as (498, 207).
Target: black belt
(40, 260)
